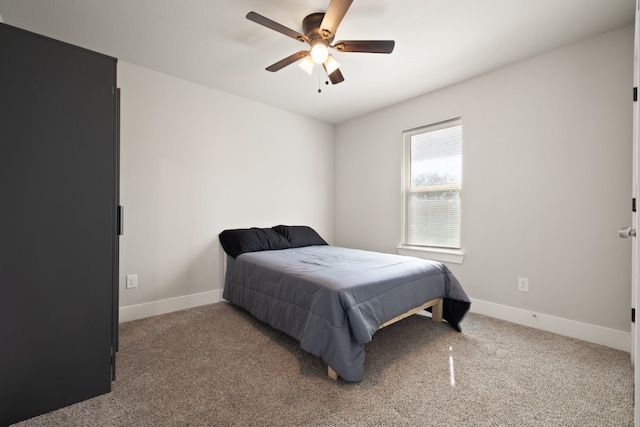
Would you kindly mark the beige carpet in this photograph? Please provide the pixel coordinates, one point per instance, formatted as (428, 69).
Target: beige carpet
(217, 366)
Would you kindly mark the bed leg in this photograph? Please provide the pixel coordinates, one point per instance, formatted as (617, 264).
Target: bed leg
(436, 312)
(332, 374)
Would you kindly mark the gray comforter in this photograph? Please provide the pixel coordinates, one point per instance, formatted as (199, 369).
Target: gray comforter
(333, 299)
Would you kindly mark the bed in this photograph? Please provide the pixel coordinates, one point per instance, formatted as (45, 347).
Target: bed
(333, 299)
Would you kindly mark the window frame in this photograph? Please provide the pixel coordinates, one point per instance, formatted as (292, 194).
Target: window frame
(444, 254)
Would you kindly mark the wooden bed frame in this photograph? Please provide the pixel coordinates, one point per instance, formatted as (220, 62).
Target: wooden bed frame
(436, 316)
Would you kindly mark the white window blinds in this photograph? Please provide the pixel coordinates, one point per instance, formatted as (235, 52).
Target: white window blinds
(432, 183)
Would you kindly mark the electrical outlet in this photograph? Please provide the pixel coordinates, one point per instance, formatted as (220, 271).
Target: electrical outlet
(523, 284)
(132, 281)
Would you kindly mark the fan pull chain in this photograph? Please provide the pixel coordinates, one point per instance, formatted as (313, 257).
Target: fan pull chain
(326, 82)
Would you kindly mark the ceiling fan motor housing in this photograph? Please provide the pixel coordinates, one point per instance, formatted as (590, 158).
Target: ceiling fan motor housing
(311, 27)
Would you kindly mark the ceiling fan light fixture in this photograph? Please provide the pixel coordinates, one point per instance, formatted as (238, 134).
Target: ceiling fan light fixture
(307, 64)
(318, 30)
(331, 64)
(319, 51)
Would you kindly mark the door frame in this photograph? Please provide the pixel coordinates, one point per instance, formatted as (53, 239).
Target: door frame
(635, 261)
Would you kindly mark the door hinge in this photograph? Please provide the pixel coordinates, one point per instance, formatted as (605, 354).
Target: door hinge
(120, 220)
(113, 364)
(633, 204)
(635, 94)
(633, 315)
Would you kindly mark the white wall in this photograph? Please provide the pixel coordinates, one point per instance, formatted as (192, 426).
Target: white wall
(546, 179)
(195, 161)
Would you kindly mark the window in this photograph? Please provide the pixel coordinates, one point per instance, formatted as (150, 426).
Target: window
(432, 182)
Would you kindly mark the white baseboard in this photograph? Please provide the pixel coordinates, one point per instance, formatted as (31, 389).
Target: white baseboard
(154, 308)
(614, 338)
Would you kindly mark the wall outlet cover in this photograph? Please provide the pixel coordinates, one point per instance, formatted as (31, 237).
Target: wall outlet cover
(523, 284)
(132, 281)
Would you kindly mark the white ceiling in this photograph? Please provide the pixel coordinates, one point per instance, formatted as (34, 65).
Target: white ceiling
(438, 42)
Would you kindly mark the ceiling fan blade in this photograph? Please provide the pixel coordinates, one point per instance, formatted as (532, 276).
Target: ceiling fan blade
(335, 77)
(287, 61)
(366, 46)
(333, 16)
(259, 19)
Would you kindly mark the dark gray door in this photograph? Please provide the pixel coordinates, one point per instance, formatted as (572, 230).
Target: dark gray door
(58, 239)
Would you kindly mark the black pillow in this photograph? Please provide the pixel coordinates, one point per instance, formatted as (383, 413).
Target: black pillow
(300, 235)
(242, 240)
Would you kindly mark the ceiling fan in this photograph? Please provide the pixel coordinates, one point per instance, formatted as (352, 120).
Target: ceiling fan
(319, 31)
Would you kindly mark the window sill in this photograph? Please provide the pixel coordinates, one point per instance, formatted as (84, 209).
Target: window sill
(455, 256)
